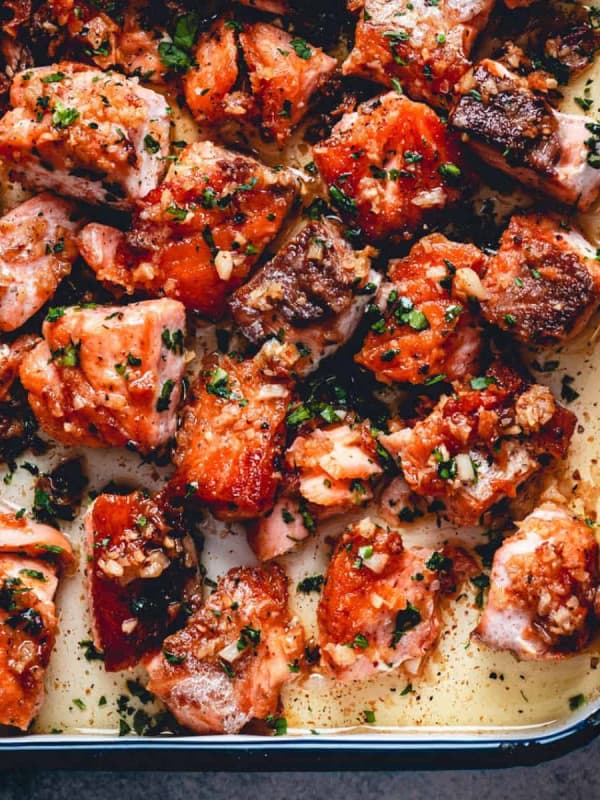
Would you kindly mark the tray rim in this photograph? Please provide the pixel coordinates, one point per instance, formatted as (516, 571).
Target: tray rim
(326, 752)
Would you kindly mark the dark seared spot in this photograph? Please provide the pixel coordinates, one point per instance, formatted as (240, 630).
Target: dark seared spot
(539, 294)
(514, 121)
(306, 283)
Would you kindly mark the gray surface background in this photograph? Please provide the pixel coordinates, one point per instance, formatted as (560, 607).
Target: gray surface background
(574, 776)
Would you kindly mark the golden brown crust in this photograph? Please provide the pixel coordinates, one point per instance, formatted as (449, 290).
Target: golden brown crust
(231, 439)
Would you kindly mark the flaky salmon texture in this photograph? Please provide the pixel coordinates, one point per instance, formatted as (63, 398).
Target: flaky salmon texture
(228, 664)
(31, 555)
(248, 252)
(543, 587)
(380, 607)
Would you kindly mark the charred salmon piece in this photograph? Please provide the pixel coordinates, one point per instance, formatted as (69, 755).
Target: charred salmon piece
(424, 331)
(141, 570)
(85, 27)
(229, 663)
(543, 593)
(124, 40)
(542, 284)
(109, 375)
(95, 136)
(232, 438)
(285, 72)
(11, 356)
(278, 76)
(375, 613)
(310, 297)
(512, 127)
(208, 85)
(37, 250)
(198, 235)
(29, 555)
(480, 445)
(423, 45)
(388, 164)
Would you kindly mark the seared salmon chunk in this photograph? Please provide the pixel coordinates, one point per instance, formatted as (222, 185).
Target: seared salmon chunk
(543, 594)
(124, 40)
(109, 375)
(425, 331)
(380, 607)
(96, 136)
(335, 466)
(542, 284)
(232, 438)
(389, 164)
(197, 236)
(327, 471)
(281, 530)
(262, 74)
(30, 555)
(511, 125)
(424, 45)
(209, 85)
(37, 249)
(141, 570)
(480, 444)
(227, 666)
(310, 297)
(285, 72)
(11, 356)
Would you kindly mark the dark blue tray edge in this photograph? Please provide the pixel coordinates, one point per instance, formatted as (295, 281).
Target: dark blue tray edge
(290, 754)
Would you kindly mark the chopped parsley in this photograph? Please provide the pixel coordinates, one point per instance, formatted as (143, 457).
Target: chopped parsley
(406, 619)
(438, 562)
(89, 650)
(301, 48)
(278, 724)
(33, 573)
(173, 341)
(359, 642)
(481, 582)
(450, 172)
(312, 583)
(480, 384)
(446, 466)
(164, 399)
(151, 144)
(55, 313)
(55, 77)
(63, 117)
(341, 201)
(172, 658)
(219, 385)
(248, 636)
(67, 356)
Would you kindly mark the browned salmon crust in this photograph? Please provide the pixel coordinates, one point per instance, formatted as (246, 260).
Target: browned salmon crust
(513, 127)
(228, 664)
(542, 284)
